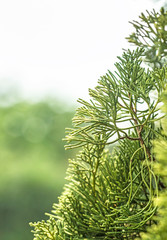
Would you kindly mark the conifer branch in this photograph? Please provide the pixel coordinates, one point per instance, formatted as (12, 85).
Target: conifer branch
(111, 195)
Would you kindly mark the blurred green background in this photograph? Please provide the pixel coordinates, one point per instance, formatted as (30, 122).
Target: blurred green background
(33, 162)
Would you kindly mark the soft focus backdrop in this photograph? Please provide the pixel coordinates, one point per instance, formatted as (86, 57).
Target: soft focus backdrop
(61, 47)
(33, 163)
(51, 52)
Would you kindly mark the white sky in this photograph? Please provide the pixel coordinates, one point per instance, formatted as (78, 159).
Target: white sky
(62, 47)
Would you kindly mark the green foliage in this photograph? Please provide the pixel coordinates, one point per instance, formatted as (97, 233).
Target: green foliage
(111, 195)
(121, 99)
(32, 159)
(151, 34)
(158, 231)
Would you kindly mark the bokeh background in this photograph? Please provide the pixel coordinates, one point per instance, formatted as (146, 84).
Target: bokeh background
(51, 52)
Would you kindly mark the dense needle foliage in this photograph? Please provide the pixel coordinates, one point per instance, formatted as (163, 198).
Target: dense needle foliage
(111, 195)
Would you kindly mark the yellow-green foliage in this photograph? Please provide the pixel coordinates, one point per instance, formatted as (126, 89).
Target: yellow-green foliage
(158, 231)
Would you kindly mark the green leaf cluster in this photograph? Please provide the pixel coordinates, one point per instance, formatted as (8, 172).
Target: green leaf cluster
(151, 34)
(119, 103)
(111, 194)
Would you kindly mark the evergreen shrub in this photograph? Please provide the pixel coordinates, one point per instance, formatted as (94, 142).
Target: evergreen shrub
(115, 195)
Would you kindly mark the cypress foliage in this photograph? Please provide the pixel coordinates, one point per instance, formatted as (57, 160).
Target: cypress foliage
(111, 195)
(151, 34)
(158, 231)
